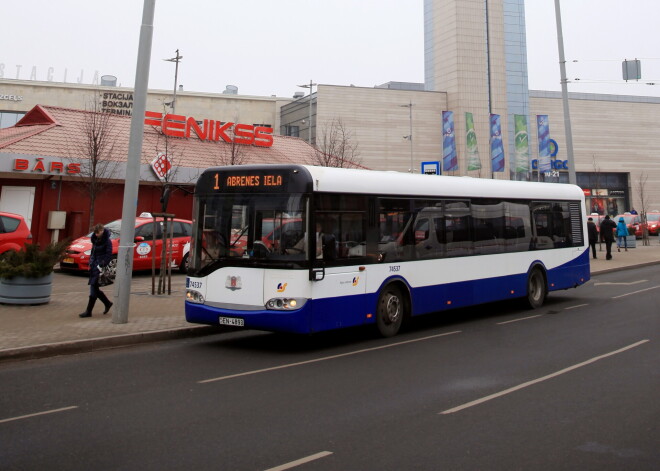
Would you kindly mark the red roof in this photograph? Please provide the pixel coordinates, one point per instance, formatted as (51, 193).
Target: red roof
(59, 132)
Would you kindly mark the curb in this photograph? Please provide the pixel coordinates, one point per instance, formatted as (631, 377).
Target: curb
(612, 270)
(103, 343)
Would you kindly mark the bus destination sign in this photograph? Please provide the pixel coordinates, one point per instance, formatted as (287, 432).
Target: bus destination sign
(249, 182)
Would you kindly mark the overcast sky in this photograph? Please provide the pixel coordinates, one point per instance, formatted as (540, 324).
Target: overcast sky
(267, 47)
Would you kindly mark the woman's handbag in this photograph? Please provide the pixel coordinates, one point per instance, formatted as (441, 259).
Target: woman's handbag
(106, 275)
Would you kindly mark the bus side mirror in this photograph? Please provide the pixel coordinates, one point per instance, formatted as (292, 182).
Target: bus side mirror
(317, 274)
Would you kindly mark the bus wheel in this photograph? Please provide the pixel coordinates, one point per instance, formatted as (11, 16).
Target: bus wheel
(537, 290)
(390, 311)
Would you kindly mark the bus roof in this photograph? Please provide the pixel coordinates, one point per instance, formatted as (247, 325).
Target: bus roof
(398, 183)
(341, 180)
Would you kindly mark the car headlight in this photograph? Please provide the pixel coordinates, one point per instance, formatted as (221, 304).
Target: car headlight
(285, 304)
(88, 252)
(194, 296)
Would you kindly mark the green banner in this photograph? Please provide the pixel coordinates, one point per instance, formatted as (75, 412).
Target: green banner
(473, 160)
(521, 144)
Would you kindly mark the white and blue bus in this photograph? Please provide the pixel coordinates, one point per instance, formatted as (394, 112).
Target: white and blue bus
(304, 249)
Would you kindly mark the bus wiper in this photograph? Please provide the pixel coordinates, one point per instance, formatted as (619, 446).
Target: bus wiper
(238, 237)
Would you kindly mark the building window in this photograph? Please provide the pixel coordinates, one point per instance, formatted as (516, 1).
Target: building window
(293, 131)
(10, 118)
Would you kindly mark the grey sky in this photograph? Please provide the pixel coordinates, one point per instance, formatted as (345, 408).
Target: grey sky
(267, 47)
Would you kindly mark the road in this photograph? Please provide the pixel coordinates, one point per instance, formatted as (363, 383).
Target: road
(573, 385)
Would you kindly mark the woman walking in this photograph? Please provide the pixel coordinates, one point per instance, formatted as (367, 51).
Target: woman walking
(621, 234)
(100, 257)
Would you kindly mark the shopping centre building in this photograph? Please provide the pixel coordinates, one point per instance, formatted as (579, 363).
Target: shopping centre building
(475, 93)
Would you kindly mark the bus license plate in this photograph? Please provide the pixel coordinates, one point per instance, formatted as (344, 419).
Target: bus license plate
(234, 321)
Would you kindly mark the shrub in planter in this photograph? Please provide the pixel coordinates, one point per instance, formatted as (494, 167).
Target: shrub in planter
(32, 262)
(26, 276)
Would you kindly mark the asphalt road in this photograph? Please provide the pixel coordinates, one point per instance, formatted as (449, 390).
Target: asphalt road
(573, 385)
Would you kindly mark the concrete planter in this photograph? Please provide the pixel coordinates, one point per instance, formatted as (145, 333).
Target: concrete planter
(20, 290)
(631, 240)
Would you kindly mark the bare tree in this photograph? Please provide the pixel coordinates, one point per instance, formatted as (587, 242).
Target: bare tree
(644, 201)
(168, 158)
(335, 147)
(94, 151)
(230, 153)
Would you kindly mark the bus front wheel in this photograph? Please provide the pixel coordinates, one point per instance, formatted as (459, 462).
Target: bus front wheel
(390, 311)
(537, 290)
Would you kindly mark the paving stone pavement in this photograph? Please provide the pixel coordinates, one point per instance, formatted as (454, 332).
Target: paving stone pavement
(55, 328)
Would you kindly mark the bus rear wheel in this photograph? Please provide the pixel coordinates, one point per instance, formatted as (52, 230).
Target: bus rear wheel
(537, 290)
(390, 311)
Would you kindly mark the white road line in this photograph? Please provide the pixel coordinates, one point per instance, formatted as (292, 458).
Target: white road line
(538, 380)
(635, 292)
(620, 283)
(254, 372)
(37, 414)
(521, 319)
(573, 307)
(307, 459)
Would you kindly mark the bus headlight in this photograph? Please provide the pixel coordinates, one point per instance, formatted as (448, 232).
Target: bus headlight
(194, 296)
(285, 304)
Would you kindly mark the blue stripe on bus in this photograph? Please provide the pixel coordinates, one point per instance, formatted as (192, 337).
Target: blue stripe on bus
(346, 311)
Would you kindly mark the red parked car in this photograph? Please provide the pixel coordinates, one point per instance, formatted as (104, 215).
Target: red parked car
(14, 232)
(653, 222)
(633, 221)
(78, 253)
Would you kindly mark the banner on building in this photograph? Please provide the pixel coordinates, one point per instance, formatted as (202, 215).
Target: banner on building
(449, 156)
(496, 146)
(473, 160)
(521, 144)
(162, 166)
(543, 129)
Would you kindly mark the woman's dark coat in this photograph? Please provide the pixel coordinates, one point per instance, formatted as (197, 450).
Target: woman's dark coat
(101, 255)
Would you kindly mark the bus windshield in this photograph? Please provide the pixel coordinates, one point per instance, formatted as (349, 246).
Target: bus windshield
(248, 229)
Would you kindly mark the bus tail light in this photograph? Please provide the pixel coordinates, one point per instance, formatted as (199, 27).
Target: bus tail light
(285, 304)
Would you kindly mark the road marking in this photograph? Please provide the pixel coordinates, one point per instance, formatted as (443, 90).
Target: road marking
(37, 414)
(573, 307)
(521, 319)
(307, 459)
(635, 292)
(538, 380)
(621, 283)
(264, 370)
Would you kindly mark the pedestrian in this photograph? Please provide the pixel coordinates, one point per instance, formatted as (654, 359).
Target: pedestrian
(592, 230)
(621, 234)
(607, 228)
(100, 257)
(632, 211)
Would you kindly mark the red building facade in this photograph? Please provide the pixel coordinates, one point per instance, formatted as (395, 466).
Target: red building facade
(44, 173)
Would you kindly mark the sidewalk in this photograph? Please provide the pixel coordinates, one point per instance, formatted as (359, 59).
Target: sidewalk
(55, 328)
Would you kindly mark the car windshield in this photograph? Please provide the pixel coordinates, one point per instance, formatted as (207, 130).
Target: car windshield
(629, 218)
(653, 217)
(114, 227)
(248, 229)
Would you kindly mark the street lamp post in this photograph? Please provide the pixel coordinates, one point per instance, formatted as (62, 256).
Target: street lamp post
(564, 95)
(309, 129)
(410, 136)
(176, 60)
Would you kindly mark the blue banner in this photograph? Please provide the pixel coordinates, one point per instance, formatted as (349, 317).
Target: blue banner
(496, 146)
(543, 129)
(449, 156)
